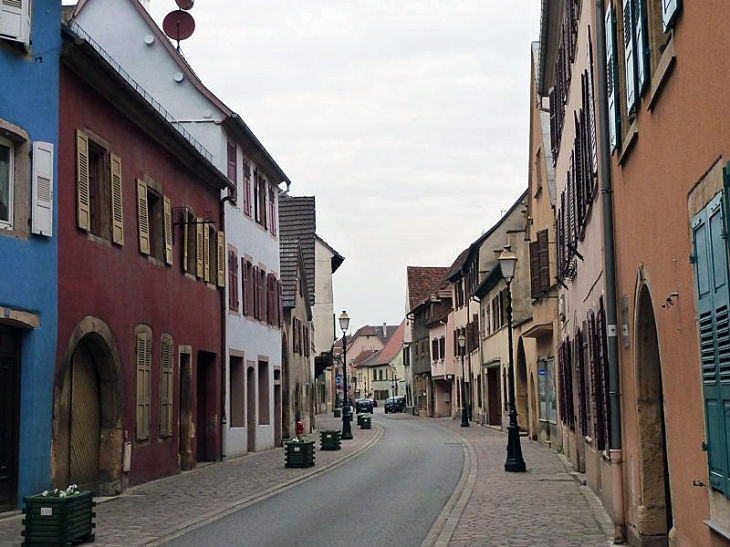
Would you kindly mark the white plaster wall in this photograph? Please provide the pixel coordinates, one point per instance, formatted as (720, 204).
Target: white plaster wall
(323, 310)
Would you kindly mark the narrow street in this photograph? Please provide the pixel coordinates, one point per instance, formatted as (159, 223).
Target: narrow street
(420, 481)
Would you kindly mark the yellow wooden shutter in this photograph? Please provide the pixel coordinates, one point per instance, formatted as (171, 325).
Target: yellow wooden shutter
(144, 350)
(185, 240)
(83, 196)
(199, 247)
(166, 382)
(206, 252)
(117, 205)
(221, 259)
(143, 218)
(168, 229)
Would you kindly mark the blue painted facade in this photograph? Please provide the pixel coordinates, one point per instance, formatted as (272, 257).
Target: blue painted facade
(28, 278)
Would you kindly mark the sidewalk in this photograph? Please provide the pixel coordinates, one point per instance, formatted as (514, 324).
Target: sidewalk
(546, 506)
(163, 509)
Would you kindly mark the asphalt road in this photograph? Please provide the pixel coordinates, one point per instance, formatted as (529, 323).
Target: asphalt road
(389, 495)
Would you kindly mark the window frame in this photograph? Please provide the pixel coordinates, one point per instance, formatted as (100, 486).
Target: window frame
(10, 145)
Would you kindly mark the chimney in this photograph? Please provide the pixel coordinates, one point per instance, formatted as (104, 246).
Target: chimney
(385, 330)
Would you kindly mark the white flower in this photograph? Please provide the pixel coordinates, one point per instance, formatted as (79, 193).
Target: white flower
(45, 493)
(62, 495)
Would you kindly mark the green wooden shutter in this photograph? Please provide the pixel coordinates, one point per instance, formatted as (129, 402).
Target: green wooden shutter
(711, 280)
(670, 8)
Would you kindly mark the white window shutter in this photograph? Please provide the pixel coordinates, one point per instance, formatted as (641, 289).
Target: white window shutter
(42, 208)
(15, 20)
(670, 8)
(629, 56)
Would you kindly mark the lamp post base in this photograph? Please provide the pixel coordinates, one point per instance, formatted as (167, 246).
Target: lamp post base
(515, 463)
(346, 429)
(464, 418)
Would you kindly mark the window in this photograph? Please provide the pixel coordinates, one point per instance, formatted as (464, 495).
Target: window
(232, 280)
(238, 393)
(99, 192)
(154, 215)
(15, 18)
(166, 385)
(272, 209)
(211, 252)
(260, 199)
(442, 347)
(256, 293)
(713, 310)
(264, 414)
(434, 350)
(271, 303)
(144, 384)
(7, 181)
(21, 183)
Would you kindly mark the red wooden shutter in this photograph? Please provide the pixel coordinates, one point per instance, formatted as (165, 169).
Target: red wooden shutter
(534, 269)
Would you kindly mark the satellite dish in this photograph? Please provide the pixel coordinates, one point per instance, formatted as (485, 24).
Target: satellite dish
(178, 25)
(185, 4)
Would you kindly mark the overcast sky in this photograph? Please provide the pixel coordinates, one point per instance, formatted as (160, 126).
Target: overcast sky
(408, 120)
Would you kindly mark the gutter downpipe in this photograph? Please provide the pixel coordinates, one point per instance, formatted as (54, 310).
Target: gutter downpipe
(614, 388)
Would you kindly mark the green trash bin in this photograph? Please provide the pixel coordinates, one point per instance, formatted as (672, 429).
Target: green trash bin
(329, 439)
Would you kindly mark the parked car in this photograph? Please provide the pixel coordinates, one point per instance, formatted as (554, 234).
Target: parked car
(395, 404)
(364, 405)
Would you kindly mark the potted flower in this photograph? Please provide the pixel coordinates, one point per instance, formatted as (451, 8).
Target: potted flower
(299, 453)
(59, 517)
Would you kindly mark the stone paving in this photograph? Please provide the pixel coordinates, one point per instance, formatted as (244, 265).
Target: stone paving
(546, 506)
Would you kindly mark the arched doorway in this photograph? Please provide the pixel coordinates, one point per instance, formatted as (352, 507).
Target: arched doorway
(88, 433)
(655, 504)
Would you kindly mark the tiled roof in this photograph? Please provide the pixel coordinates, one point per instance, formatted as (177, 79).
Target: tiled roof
(337, 258)
(370, 330)
(393, 347)
(422, 281)
(297, 219)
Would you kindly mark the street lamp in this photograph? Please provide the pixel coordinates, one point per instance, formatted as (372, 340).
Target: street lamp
(461, 339)
(515, 462)
(346, 431)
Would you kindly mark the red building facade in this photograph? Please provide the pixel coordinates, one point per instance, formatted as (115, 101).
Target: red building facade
(138, 392)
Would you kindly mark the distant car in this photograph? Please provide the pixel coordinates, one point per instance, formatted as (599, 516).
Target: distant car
(374, 401)
(364, 405)
(395, 404)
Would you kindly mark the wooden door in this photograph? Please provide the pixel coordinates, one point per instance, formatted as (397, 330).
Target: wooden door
(9, 416)
(85, 430)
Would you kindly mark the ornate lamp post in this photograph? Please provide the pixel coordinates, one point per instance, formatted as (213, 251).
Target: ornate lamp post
(515, 462)
(461, 339)
(346, 430)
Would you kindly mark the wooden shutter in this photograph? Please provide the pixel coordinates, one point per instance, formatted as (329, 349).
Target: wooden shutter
(117, 203)
(186, 239)
(602, 358)
(42, 191)
(711, 291)
(206, 252)
(166, 386)
(670, 9)
(543, 248)
(167, 212)
(581, 373)
(641, 46)
(143, 396)
(256, 289)
(246, 187)
(199, 247)
(232, 281)
(143, 219)
(272, 209)
(612, 79)
(262, 294)
(221, 262)
(629, 56)
(244, 288)
(83, 189)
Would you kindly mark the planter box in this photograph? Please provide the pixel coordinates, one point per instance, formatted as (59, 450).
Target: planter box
(299, 454)
(329, 440)
(365, 422)
(52, 520)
